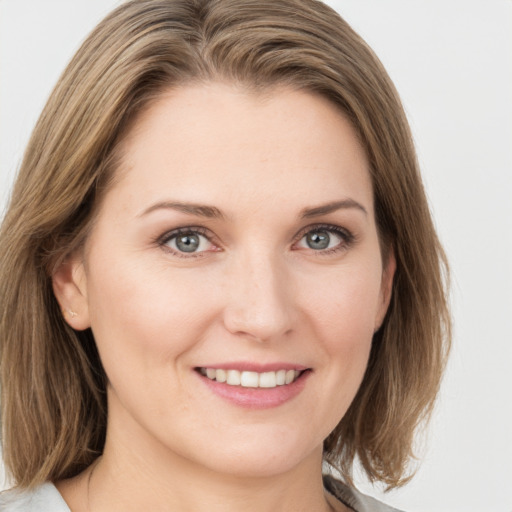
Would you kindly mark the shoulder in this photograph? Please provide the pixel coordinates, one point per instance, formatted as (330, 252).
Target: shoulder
(353, 498)
(45, 498)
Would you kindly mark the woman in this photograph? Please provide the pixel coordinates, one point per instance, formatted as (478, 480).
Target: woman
(219, 270)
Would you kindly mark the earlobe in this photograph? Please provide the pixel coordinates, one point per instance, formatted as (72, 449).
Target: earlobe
(70, 288)
(386, 288)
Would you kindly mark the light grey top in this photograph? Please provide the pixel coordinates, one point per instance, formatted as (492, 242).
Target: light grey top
(353, 499)
(46, 498)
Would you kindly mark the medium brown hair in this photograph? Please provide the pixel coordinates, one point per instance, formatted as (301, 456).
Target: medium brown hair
(52, 382)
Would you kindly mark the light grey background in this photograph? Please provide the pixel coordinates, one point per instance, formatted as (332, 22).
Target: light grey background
(452, 63)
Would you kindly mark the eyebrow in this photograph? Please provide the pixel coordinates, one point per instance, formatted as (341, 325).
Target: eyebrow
(324, 209)
(212, 212)
(200, 210)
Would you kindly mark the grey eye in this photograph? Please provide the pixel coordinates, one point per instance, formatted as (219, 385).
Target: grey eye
(318, 240)
(188, 242)
(321, 239)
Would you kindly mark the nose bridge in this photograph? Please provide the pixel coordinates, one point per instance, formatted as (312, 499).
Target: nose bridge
(259, 299)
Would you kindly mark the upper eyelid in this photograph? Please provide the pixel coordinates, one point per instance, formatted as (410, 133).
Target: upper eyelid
(326, 227)
(168, 235)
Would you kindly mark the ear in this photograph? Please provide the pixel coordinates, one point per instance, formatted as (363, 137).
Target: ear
(69, 283)
(386, 288)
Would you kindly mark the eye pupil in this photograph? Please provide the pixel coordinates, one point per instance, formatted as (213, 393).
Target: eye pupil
(187, 243)
(318, 240)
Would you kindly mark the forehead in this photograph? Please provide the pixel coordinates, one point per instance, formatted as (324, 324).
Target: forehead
(216, 143)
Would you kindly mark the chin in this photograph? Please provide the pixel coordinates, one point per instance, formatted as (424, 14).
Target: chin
(266, 456)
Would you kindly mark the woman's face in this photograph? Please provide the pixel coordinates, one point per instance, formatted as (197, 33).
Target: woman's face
(238, 242)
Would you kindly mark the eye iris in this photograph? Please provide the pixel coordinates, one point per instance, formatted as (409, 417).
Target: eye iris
(318, 240)
(187, 243)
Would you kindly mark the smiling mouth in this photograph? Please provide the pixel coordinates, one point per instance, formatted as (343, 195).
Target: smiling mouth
(249, 379)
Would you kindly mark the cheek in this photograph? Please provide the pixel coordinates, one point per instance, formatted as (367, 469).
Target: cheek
(346, 304)
(347, 333)
(142, 317)
(343, 317)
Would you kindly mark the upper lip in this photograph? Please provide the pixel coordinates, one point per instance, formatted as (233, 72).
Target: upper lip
(251, 366)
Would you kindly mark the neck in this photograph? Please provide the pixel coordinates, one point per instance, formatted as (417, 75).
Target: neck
(180, 485)
(137, 473)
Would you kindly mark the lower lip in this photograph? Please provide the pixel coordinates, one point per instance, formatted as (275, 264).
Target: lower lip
(257, 398)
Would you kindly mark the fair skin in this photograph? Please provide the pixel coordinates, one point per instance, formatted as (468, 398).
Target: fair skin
(276, 266)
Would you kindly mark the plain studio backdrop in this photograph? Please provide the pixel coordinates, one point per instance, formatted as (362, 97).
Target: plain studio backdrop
(451, 61)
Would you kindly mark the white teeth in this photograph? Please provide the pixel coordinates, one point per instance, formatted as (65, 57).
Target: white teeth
(290, 376)
(251, 379)
(220, 375)
(268, 380)
(233, 378)
(281, 377)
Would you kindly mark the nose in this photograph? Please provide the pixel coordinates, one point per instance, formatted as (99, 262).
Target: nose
(259, 295)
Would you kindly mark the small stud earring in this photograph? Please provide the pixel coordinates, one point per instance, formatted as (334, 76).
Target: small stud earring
(72, 314)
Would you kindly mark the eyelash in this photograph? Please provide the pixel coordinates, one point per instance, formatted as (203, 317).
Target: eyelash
(347, 237)
(163, 240)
